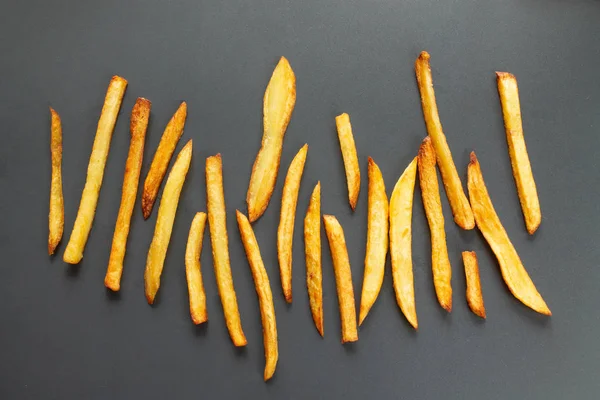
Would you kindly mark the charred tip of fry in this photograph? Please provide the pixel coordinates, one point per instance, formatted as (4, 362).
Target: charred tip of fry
(504, 75)
(150, 298)
(473, 158)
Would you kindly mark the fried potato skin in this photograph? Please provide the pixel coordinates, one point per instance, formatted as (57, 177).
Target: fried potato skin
(440, 263)
(285, 231)
(343, 277)
(348, 148)
(278, 104)
(140, 115)
(312, 252)
(263, 291)
(401, 204)
(162, 157)
(56, 215)
(519, 159)
(215, 203)
(473, 293)
(513, 272)
(164, 222)
(95, 173)
(463, 215)
(377, 240)
(193, 270)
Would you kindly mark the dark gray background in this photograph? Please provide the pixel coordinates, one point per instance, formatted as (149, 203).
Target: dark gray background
(64, 337)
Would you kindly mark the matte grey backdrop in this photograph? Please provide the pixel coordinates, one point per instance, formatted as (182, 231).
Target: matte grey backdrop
(63, 336)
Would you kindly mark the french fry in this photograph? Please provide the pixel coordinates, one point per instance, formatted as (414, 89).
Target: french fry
(263, 291)
(162, 157)
(285, 231)
(193, 270)
(312, 252)
(56, 215)
(344, 129)
(474, 296)
(440, 264)
(343, 277)
(278, 104)
(513, 272)
(463, 215)
(89, 197)
(164, 222)
(138, 125)
(215, 203)
(377, 240)
(511, 110)
(401, 204)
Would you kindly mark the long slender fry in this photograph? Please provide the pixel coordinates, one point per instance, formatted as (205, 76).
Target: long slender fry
(312, 252)
(344, 129)
(193, 270)
(474, 296)
(56, 215)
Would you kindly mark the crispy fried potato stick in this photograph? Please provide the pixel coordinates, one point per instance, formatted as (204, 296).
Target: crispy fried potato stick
(474, 296)
(377, 240)
(343, 277)
(312, 252)
(348, 148)
(164, 222)
(56, 216)
(278, 104)
(89, 198)
(285, 231)
(138, 125)
(161, 159)
(401, 204)
(511, 110)
(513, 271)
(440, 264)
(463, 216)
(193, 271)
(215, 203)
(263, 291)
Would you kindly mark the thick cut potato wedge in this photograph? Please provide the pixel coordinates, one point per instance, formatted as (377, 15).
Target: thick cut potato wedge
(474, 296)
(193, 270)
(56, 216)
(344, 130)
(312, 252)
(518, 281)
(278, 104)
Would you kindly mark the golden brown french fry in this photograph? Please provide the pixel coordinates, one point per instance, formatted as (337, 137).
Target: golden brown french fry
(278, 104)
(285, 231)
(89, 198)
(215, 203)
(162, 157)
(513, 271)
(440, 264)
(56, 216)
(263, 291)
(519, 159)
(474, 296)
(312, 252)
(343, 277)
(377, 240)
(140, 115)
(164, 222)
(193, 270)
(401, 204)
(463, 216)
(350, 157)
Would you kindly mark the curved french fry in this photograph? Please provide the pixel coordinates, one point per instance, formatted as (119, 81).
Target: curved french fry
(312, 251)
(56, 215)
(193, 270)
(474, 296)
(348, 147)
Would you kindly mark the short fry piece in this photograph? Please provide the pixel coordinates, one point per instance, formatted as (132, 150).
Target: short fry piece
(285, 231)
(278, 104)
(519, 159)
(513, 271)
(95, 173)
(263, 290)
(193, 271)
(401, 204)
(138, 125)
(440, 264)
(164, 222)
(463, 215)
(348, 147)
(474, 296)
(215, 203)
(312, 252)
(162, 157)
(56, 216)
(343, 277)
(377, 240)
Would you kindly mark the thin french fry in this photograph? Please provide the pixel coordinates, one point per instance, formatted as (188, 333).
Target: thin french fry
(348, 147)
(474, 296)
(56, 216)
(193, 270)
(312, 252)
